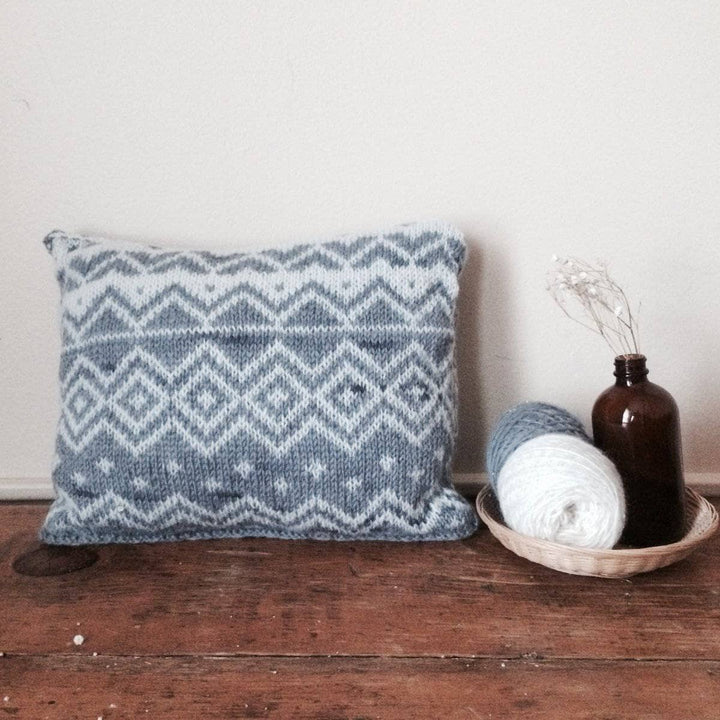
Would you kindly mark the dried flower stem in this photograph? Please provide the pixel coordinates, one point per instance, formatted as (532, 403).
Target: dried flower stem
(589, 296)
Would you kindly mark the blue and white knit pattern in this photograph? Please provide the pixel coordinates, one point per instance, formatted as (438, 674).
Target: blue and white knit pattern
(306, 392)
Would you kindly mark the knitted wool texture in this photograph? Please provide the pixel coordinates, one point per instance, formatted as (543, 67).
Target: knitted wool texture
(551, 483)
(305, 392)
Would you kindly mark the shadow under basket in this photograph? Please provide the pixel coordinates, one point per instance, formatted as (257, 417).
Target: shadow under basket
(701, 521)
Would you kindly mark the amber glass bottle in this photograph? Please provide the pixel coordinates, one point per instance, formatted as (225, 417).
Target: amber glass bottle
(636, 424)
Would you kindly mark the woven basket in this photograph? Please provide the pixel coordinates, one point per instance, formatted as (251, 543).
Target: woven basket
(701, 521)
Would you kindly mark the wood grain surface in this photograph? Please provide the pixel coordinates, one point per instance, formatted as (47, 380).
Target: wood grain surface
(270, 628)
(71, 688)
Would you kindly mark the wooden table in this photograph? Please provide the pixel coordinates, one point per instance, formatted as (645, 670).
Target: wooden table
(258, 628)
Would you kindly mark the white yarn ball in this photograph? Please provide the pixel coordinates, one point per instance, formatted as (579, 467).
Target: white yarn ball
(561, 488)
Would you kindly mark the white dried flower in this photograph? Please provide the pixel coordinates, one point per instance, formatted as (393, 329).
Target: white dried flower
(587, 294)
(78, 640)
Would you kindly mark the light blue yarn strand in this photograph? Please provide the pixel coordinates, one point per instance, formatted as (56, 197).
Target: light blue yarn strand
(525, 422)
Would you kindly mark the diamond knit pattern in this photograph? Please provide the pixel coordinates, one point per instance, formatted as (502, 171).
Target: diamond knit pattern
(304, 392)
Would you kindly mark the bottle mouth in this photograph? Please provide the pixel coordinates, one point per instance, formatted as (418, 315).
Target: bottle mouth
(630, 366)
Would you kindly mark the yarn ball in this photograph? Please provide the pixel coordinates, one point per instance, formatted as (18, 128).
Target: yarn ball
(561, 488)
(551, 482)
(525, 422)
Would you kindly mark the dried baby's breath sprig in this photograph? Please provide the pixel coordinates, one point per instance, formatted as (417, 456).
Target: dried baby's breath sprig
(589, 296)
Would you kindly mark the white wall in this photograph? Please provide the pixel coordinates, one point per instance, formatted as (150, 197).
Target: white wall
(590, 128)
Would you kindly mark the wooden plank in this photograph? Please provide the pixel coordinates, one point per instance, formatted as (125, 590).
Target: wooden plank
(268, 597)
(69, 688)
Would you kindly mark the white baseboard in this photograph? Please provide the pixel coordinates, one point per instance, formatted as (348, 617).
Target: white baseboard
(707, 484)
(26, 489)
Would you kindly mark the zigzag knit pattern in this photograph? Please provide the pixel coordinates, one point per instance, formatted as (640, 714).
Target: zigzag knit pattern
(306, 392)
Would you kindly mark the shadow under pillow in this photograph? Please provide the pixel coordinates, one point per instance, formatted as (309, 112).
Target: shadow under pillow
(300, 392)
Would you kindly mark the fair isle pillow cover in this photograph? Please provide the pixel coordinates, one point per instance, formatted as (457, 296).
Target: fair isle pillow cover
(302, 392)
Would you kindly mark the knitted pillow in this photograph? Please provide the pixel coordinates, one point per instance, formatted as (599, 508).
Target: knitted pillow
(303, 392)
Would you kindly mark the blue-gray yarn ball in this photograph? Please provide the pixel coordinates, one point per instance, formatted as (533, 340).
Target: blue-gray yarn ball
(525, 422)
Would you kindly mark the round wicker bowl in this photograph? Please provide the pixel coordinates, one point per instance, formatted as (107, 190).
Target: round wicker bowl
(701, 522)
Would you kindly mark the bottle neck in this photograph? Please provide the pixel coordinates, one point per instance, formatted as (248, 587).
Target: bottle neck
(630, 370)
